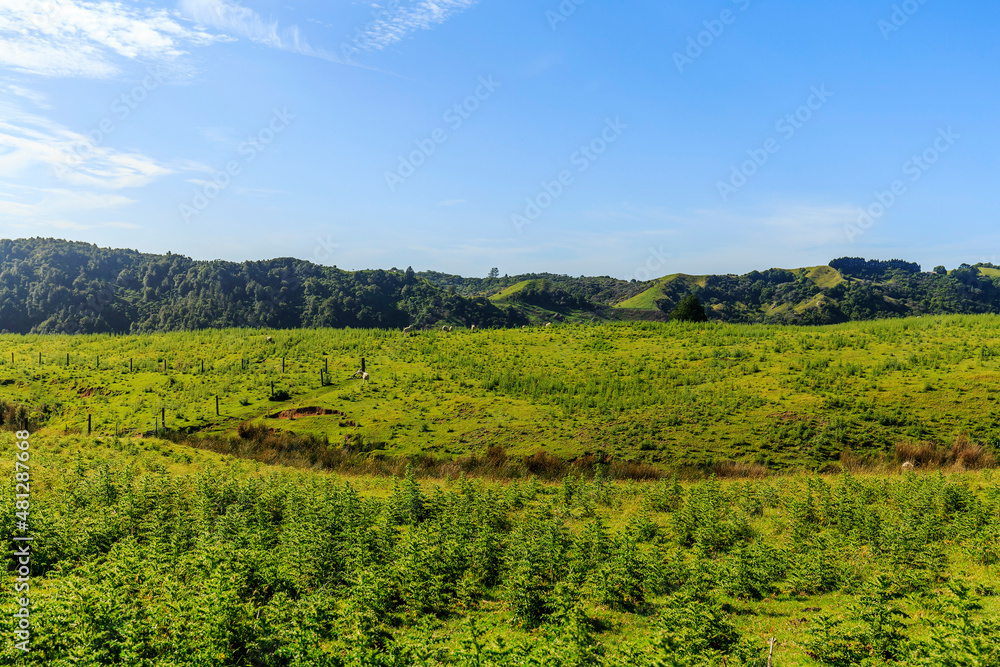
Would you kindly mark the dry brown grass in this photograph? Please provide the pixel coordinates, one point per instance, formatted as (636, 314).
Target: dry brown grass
(964, 454)
(922, 454)
(733, 469)
(969, 455)
(257, 442)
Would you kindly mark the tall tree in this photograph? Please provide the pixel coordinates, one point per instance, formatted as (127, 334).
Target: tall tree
(689, 310)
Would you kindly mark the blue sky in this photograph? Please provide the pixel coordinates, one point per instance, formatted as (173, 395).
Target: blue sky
(582, 137)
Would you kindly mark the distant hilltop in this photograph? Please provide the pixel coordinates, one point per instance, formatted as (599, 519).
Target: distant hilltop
(57, 286)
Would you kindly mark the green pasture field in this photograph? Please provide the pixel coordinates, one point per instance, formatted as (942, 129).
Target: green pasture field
(145, 552)
(669, 394)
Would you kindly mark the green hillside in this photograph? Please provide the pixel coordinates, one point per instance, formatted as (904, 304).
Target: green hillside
(506, 293)
(670, 395)
(665, 289)
(51, 286)
(533, 520)
(649, 299)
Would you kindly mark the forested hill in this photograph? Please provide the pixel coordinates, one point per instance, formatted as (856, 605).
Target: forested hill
(55, 286)
(848, 289)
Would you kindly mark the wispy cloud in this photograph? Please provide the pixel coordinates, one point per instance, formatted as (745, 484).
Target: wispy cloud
(242, 21)
(394, 24)
(26, 207)
(225, 136)
(40, 100)
(69, 38)
(29, 141)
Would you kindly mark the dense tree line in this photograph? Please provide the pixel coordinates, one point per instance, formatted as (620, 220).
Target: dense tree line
(888, 289)
(587, 290)
(872, 268)
(54, 286)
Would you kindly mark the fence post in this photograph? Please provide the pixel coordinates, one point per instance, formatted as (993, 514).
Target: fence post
(216, 406)
(88, 424)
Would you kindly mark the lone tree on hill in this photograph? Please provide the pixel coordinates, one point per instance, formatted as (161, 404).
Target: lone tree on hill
(689, 310)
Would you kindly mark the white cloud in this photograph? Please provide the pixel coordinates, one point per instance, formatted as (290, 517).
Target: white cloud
(396, 21)
(40, 100)
(34, 207)
(29, 141)
(244, 22)
(220, 135)
(70, 38)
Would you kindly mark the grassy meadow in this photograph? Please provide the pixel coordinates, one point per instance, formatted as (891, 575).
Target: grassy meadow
(673, 396)
(162, 547)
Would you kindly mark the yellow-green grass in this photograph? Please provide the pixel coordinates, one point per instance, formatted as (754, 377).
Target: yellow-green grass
(508, 292)
(670, 394)
(647, 300)
(824, 276)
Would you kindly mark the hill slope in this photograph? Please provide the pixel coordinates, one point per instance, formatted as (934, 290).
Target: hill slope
(53, 286)
(675, 395)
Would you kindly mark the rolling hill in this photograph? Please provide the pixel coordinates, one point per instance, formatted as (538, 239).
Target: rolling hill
(55, 286)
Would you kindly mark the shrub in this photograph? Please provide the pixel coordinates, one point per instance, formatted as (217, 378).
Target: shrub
(922, 454)
(970, 455)
(252, 430)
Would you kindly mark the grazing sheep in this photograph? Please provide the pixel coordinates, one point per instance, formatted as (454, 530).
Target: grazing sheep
(270, 340)
(908, 465)
(451, 328)
(472, 328)
(548, 324)
(444, 328)
(408, 329)
(363, 374)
